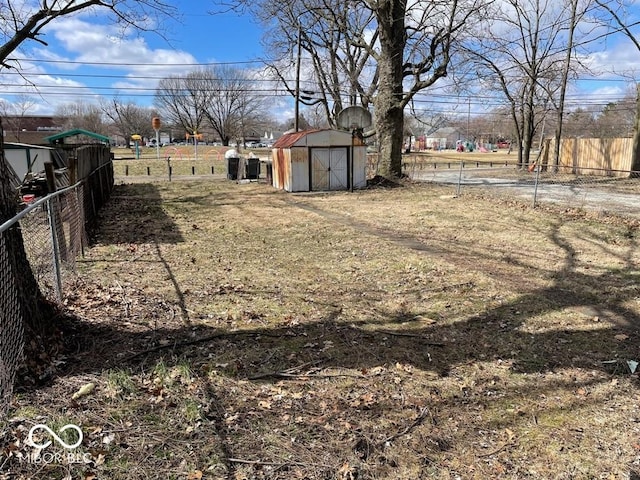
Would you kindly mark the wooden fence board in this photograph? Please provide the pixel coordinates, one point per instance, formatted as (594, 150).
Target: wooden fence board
(592, 156)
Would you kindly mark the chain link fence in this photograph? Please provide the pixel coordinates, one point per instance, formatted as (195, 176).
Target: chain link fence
(53, 230)
(592, 189)
(11, 335)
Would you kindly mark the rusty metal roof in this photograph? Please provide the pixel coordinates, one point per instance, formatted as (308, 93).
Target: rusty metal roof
(288, 140)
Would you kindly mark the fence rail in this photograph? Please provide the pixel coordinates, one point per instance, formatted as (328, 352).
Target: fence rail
(596, 189)
(53, 231)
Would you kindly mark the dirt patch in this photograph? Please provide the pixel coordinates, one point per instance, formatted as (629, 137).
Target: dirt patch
(235, 331)
(379, 181)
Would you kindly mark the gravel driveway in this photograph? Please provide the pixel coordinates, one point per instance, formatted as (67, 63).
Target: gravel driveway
(592, 193)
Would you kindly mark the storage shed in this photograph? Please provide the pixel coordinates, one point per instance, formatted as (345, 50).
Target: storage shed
(318, 160)
(25, 158)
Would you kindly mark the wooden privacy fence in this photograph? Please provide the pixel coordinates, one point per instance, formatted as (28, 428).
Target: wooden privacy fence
(609, 157)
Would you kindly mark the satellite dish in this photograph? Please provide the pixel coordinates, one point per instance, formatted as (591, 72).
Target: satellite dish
(354, 117)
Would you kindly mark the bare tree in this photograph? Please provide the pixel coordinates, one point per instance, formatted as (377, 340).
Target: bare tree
(182, 101)
(573, 20)
(128, 118)
(616, 119)
(580, 122)
(316, 115)
(21, 22)
(232, 106)
(86, 116)
(15, 112)
(380, 52)
(617, 21)
(331, 70)
(223, 98)
(523, 50)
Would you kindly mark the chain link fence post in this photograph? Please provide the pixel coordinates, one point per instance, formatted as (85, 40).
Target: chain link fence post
(459, 186)
(535, 186)
(55, 247)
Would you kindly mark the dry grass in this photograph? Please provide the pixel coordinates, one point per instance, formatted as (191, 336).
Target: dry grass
(234, 332)
(184, 161)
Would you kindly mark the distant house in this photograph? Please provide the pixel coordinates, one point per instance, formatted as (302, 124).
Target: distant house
(442, 139)
(29, 129)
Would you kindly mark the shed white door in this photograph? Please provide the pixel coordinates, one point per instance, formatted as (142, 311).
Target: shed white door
(329, 169)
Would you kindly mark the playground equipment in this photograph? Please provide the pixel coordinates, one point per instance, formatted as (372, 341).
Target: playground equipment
(174, 151)
(136, 142)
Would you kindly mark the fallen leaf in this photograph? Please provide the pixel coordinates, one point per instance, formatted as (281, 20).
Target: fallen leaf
(347, 472)
(425, 320)
(195, 475)
(404, 367)
(84, 390)
(510, 435)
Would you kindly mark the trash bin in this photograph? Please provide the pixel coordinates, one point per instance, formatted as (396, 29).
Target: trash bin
(253, 168)
(232, 168)
(233, 162)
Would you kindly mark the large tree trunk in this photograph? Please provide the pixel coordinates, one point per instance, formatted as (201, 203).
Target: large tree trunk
(388, 102)
(33, 310)
(389, 126)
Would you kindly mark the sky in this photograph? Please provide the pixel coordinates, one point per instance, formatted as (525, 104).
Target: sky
(87, 57)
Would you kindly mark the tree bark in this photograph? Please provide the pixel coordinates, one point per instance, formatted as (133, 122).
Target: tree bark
(34, 310)
(388, 103)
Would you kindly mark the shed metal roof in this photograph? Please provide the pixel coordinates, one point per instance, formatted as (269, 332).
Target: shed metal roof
(77, 131)
(314, 138)
(22, 146)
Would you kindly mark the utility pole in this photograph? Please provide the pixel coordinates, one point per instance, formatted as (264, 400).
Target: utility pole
(296, 120)
(468, 115)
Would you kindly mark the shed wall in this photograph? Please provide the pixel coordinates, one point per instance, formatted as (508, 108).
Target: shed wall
(292, 160)
(359, 159)
(19, 159)
(299, 170)
(281, 170)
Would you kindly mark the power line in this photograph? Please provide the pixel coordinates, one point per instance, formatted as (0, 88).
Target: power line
(119, 64)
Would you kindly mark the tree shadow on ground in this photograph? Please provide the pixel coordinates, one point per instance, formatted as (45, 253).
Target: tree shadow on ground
(498, 333)
(136, 216)
(267, 354)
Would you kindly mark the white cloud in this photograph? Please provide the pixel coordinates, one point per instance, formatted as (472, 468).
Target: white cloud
(90, 49)
(620, 58)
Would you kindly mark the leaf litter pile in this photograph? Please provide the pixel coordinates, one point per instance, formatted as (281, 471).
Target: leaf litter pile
(231, 331)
